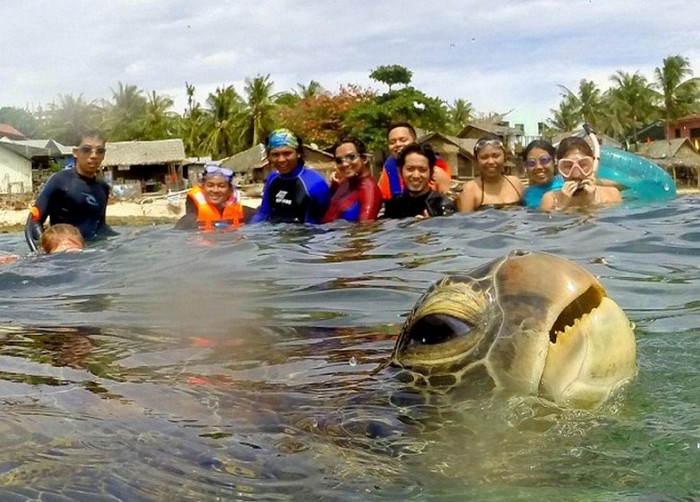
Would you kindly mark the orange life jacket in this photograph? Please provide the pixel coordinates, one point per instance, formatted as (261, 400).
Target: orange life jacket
(210, 218)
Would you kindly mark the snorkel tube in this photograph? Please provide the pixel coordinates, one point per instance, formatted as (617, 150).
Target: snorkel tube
(594, 145)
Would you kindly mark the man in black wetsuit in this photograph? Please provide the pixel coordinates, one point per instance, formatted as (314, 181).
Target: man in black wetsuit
(74, 196)
(416, 163)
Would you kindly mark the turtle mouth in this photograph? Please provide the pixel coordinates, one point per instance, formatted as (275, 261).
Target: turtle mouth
(582, 306)
(435, 329)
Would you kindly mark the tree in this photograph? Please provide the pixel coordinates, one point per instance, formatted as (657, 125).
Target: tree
(588, 103)
(679, 93)
(256, 116)
(20, 119)
(125, 115)
(159, 121)
(222, 137)
(322, 118)
(567, 117)
(392, 75)
(460, 113)
(70, 117)
(631, 103)
(192, 124)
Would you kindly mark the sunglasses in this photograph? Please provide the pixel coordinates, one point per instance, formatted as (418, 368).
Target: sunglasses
(584, 164)
(483, 143)
(87, 150)
(223, 171)
(542, 160)
(351, 157)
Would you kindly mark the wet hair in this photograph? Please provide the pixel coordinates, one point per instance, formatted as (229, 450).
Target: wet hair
(93, 133)
(424, 150)
(489, 139)
(56, 234)
(571, 143)
(359, 145)
(542, 144)
(408, 126)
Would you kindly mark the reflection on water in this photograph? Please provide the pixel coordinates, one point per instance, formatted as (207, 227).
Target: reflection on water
(165, 365)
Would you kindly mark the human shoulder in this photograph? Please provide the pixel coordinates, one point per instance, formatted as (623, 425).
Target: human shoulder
(548, 201)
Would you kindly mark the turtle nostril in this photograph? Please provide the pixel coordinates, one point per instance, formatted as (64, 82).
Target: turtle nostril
(434, 329)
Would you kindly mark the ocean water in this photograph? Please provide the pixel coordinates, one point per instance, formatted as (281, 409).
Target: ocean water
(163, 365)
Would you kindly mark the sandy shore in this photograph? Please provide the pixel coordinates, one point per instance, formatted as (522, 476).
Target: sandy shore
(159, 209)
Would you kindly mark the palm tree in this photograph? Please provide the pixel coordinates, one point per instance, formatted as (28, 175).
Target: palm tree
(192, 124)
(460, 113)
(126, 113)
(256, 115)
(567, 117)
(70, 117)
(678, 91)
(159, 120)
(314, 88)
(219, 121)
(631, 102)
(588, 103)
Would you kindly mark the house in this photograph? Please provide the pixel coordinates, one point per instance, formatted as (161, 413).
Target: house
(457, 152)
(686, 127)
(679, 156)
(154, 165)
(15, 169)
(512, 137)
(9, 132)
(43, 156)
(253, 166)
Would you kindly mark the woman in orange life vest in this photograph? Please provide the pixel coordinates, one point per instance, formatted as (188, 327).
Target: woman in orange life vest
(213, 203)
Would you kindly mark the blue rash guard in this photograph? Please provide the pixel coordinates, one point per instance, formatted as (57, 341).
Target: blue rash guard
(71, 198)
(301, 196)
(532, 196)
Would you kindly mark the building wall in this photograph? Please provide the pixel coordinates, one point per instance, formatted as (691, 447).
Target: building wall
(686, 128)
(15, 173)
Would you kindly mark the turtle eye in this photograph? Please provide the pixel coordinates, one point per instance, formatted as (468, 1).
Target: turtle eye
(434, 329)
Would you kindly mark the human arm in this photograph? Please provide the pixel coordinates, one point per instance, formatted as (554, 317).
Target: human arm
(547, 202)
(467, 199)
(34, 226)
(263, 211)
(370, 200)
(320, 195)
(442, 176)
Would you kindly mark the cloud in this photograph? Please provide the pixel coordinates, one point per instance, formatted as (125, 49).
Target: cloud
(510, 54)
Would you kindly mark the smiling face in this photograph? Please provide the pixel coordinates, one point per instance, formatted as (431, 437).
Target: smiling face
(89, 155)
(283, 158)
(540, 166)
(217, 189)
(490, 160)
(416, 174)
(398, 138)
(348, 161)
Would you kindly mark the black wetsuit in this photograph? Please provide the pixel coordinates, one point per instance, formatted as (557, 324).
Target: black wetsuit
(406, 206)
(71, 198)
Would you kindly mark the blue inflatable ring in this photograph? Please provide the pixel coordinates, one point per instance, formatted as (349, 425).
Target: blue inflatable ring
(641, 178)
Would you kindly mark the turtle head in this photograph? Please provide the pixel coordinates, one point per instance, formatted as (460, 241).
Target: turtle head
(528, 322)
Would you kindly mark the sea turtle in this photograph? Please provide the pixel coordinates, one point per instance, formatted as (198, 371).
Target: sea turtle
(528, 322)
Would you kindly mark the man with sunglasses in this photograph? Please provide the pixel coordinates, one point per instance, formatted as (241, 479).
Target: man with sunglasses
(213, 203)
(293, 193)
(74, 196)
(578, 167)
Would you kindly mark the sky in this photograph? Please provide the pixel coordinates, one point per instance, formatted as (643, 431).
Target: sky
(506, 56)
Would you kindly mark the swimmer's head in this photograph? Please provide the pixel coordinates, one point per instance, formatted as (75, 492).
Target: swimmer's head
(213, 169)
(285, 150)
(573, 143)
(62, 238)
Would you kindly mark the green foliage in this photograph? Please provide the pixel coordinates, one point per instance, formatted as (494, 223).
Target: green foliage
(392, 75)
(21, 119)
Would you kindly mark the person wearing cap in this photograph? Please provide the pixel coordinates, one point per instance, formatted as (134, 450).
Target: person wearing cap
(293, 193)
(492, 188)
(398, 136)
(74, 196)
(213, 204)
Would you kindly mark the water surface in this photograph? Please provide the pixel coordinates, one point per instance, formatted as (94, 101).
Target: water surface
(175, 366)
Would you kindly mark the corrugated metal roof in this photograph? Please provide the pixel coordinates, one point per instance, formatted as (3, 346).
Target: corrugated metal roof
(135, 153)
(246, 160)
(54, 148)
(10, 132)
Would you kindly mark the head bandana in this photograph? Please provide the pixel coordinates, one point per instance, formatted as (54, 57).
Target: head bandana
(282, 137)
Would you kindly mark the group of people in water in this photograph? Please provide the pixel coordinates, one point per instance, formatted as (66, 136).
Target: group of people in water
(414, 182)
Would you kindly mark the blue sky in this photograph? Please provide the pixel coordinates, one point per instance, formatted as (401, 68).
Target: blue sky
(500, 56)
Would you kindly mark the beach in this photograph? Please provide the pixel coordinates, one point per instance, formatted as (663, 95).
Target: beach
(124, 213)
